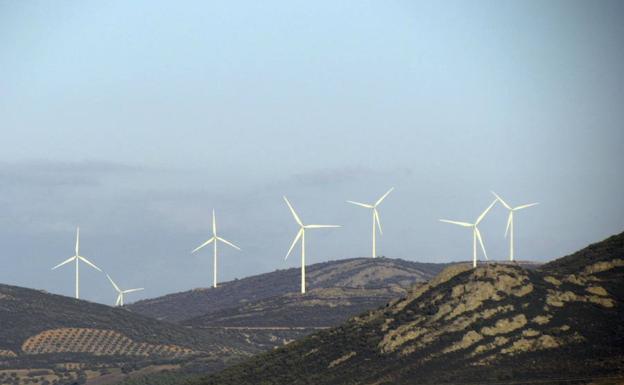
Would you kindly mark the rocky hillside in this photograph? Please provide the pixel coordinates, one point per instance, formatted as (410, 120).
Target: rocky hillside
(487, 325)
(365, 281)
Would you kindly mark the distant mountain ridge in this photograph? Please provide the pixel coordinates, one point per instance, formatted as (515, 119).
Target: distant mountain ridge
(390, 276)
(560, 323)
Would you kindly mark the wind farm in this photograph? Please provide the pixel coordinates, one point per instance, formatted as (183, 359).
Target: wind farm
(233, 322)
(311, 193)
(232, 325)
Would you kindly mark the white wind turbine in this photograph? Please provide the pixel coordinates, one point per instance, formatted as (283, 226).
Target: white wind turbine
(77, 257)
(510, 226)
(120, 293)
(301, 234)
(476, 234)
(376, 221)
(214, 240)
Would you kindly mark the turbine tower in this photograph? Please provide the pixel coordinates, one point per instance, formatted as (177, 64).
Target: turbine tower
(476, 234)
(77, 257)
(120, 293)
(214, 240)
(510, 227)
(301, 234)
(376, 221)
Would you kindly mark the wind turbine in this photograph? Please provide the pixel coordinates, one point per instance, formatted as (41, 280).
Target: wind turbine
(214, 240)
(376, 221)
(77, 257)
(301, 234)
(510, 225)
(120, 293)
(476, 234)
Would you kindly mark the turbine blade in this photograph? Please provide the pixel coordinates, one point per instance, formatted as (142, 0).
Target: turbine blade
(299, 233)
(376, 213)
(481, 242)
(203, 244)
(383, 197)
(228, 243)
(68, 260)
(214, 223)
(320, 226)
(293, 212)
(132, 290)
(85, 260)
(361, 204)
(113, 283)
(485, 212)
(502, 201)
(509, 219)
(77, 240)
(118, 299)
(465, 224)
(525, 206)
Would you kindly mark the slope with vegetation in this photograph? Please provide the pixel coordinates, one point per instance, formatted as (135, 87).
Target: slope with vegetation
(61, 334)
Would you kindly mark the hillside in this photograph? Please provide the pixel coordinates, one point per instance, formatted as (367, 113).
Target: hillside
(49, 332)
(42, 330)
(373, 281)
(485, 325)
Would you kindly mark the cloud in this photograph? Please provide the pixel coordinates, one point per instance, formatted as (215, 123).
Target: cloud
(42, 173)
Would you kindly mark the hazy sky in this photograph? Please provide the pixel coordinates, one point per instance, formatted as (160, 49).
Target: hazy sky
(135, 119)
